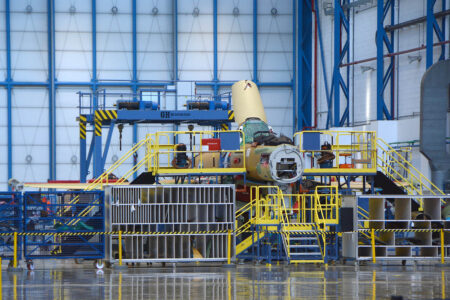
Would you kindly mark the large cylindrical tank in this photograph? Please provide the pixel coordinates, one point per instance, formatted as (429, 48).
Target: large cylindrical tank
(247, 102)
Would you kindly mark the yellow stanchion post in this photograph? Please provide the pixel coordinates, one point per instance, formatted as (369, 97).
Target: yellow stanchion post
(229, 245)
(1, 280)
(442, 247)
(120, 266)
(372, 237)
(120, 247)
(15, 251)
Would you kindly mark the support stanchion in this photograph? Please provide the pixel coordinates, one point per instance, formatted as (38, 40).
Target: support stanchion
(120, 266)
(1, 280)
(229, 245)
(15, 267)
(372, 238)
(442, 247)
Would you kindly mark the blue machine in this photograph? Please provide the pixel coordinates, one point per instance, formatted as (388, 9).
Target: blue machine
(213, 111)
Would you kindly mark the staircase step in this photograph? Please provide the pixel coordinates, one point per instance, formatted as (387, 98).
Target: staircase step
(293, 261)
(305, 253)
(303, 246)
(307, 238)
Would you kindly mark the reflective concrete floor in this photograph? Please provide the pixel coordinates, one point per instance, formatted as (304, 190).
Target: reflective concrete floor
(241, 282)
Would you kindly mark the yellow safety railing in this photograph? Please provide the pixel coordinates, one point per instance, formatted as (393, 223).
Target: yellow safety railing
(104, 178)
(354, 151)
(199, 160)
(414, 182)
(268, 207)
(327, 205)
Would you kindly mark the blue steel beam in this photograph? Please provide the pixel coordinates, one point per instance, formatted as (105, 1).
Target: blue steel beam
(51, 87)
(322, 57)
(255, 41)
(8, 88)
(96, 139)
(135, 79)
(432, 28)
(215, 71)
(294, 66)
(385, 77)
(304, 54)
(341, 51)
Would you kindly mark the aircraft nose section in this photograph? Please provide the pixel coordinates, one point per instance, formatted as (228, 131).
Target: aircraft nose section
(286, 164)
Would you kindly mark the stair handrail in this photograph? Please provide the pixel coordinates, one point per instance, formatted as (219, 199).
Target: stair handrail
(92, 205)
(285, 222)
(383, 144)
(99, 180)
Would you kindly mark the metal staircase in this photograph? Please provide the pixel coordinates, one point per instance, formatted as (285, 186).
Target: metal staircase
(302, 229)
(395, 167)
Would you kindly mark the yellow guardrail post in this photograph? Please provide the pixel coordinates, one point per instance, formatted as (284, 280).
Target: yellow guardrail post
(229, 247)
(372, 238)
(15, 251)
(442, 247)
(1, 280)
(120, 247)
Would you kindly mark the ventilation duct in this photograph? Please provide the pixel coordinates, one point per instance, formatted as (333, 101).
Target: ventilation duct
(434, 125)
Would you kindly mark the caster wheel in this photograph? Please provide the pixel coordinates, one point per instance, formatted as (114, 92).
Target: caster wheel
(30, 266)
(78, 261)
(98, 264)
(10, 264)
(403, 262)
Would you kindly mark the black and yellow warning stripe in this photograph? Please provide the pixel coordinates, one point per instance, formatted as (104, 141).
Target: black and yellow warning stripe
(231, 115)
(82, 127)
(224, 127)
(105, 115)
(98, 125)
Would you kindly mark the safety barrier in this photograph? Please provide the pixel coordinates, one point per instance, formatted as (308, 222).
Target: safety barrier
(338, 152)
(170, 223)
(11, 221)
(56, 227)
(196, 152)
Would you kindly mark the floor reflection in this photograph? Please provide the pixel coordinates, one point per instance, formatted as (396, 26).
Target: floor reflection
(242, 282)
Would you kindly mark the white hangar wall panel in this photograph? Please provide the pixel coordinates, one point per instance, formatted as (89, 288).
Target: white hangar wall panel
(67, 134)
(154, 40)
(275, 41)
(30, 136)
(235, 40)
(195, 40)
(114, 40)
(29, 61)
(278, 105)
(73, 41)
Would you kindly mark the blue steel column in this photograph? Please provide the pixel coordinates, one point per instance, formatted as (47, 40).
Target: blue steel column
(51, 87)
(294, 66)
(215, 79)
(135, 79)
(175, 40)
(97, 139)
(341, 25)
(255, 41)
(304, 54)
(384, 77)
(8, 87)
(433, 27)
